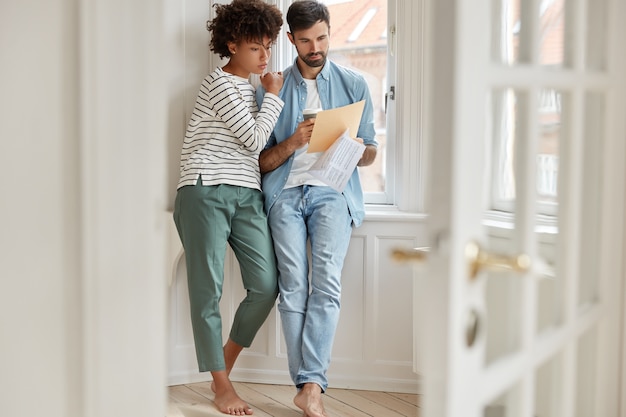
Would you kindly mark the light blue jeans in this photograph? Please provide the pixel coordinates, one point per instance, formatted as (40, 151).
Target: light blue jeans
(309, 309)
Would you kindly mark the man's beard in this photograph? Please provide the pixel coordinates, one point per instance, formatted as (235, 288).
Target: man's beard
(314, 62)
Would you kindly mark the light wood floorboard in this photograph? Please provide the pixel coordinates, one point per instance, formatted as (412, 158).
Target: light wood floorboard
(196, 400)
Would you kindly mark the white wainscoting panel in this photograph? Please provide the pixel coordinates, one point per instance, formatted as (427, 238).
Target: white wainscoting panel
(373, 347)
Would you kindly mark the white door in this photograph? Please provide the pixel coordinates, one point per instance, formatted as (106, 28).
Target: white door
(527, 147)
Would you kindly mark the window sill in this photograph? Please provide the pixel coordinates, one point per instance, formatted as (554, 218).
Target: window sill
(375, 212)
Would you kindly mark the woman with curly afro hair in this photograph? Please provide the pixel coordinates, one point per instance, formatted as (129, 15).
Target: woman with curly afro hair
(218, 199)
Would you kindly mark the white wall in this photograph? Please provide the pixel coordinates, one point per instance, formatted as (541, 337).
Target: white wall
(82, 169)
(39, 242)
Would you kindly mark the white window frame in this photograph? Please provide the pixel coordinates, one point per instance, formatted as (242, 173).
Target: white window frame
(409, 153)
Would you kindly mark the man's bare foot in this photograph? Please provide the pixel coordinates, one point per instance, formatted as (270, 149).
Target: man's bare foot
(309, 400)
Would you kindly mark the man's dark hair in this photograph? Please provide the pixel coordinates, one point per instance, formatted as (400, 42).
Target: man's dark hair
(243, 20)
(305, 13)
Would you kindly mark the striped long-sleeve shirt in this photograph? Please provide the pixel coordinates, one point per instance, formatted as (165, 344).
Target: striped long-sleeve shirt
(226, 133)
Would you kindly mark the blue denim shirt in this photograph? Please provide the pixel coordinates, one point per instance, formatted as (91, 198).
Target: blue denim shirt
(337, 86)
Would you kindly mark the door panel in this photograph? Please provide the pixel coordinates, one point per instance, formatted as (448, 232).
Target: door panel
(522, 96)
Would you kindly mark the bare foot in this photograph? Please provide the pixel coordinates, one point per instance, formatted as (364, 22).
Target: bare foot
(309, 400)
(231, 353)
(226, 399)
(230, 403)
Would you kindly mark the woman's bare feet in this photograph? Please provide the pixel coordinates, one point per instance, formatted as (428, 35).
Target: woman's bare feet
(230, 403)
(231, 353)
(309, 400)
(226, 399)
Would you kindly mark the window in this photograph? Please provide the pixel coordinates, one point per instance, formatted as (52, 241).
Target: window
(511, 108)
(359, 41)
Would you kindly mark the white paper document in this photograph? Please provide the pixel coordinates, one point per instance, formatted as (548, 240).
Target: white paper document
(336, 165)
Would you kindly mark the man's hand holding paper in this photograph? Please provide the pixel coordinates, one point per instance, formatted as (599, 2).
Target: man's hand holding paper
(337, 163)
(331, 124)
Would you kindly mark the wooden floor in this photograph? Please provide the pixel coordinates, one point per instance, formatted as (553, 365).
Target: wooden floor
(195, 400)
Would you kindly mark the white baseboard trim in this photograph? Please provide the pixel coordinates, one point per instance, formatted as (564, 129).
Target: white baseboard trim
(408, 386)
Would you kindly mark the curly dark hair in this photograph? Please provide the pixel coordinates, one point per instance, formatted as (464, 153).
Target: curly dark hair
(243, 20)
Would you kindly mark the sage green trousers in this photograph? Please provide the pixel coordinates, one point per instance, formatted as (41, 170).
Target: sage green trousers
(207, 219)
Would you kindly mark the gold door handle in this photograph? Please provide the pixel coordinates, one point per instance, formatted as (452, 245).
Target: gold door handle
(480, 259)
(415, 255)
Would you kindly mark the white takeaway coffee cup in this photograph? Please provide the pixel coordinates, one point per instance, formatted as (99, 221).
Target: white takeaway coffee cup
(310, 113)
